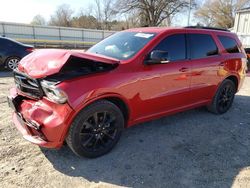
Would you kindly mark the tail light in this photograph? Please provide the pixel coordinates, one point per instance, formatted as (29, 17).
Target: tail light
(29, 49)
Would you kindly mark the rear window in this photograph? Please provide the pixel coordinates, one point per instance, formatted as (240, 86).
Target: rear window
(229, 44)
(202, 46)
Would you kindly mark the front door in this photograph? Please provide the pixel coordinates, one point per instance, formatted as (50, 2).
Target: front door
(166, 87)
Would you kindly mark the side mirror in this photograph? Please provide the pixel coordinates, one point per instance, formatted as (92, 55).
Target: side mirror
(157, 57)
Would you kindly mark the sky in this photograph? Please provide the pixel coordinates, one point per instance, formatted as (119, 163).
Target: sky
(23, 11)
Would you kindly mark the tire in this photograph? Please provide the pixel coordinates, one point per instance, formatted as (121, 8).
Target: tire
(223, 98)
(12, 63)
(96, 129)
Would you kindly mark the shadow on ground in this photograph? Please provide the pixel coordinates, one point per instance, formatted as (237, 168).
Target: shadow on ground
(190, 149)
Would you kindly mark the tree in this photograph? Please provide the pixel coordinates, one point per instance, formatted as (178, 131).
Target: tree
(132, 20)
(84, 21)
(219, 13)
(108, 13)
(104, 13)
(38, 20)
(98, 14)
(62, 16)
(152, 12)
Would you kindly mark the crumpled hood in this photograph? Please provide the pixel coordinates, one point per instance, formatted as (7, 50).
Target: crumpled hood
(45, 62)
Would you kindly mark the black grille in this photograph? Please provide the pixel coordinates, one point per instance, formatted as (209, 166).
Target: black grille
(27, 85)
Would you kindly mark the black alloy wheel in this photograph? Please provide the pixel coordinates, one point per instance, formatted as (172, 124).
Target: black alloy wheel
(96, 129)
(223, 98)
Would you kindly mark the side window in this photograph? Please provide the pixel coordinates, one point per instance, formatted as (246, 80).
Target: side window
(229, 44)
(202, 46)
(175, 45)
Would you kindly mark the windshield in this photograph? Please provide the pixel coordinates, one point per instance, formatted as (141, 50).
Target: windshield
(122, 45)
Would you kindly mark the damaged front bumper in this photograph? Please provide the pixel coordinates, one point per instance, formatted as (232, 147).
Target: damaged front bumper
(41, 122)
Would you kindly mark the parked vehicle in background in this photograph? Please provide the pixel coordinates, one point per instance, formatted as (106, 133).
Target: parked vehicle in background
(11, 52)
(247, 50)
(87, 99)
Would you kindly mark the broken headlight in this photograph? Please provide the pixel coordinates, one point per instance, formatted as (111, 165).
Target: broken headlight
(53, 93)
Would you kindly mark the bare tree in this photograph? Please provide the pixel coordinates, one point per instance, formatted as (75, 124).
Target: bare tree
(84, 20)
(104, 13)
(132, 19)
(219, 13)
(98, 14)
(62, 16)
(38, 20)
(108, 13)
(152, 12)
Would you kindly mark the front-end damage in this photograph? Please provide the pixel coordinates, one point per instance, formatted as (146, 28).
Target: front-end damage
(40, 121)
(41, 110)
(77, 66)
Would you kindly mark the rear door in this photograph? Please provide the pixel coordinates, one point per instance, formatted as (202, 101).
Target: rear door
(206, 61)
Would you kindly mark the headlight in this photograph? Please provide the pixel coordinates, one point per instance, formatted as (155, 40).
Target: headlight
(53, 93)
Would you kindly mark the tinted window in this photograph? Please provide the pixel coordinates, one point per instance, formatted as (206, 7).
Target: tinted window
(175, 45)
(229, 44)
(202, 45)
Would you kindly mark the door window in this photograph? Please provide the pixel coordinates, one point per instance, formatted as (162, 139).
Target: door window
(175, 45)
(202, 46)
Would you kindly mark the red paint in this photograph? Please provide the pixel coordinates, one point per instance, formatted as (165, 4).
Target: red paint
(42, 63)
(149, 92)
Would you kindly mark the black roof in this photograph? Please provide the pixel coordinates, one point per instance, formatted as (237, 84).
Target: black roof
(211, 28)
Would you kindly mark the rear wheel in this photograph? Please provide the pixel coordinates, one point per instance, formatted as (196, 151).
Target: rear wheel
(12, 63)
(223, 98)
(96, 129)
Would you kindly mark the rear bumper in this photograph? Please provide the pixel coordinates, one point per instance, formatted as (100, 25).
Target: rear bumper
(41, 122)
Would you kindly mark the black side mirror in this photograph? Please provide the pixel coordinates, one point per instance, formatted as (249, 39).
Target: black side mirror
(157, 57)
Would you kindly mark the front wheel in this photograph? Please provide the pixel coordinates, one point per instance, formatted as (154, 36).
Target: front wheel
(96, 129)
(223, 98)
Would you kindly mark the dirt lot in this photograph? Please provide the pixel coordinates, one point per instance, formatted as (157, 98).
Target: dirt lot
(190, 149)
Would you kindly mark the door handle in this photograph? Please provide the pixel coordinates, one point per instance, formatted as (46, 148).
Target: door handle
(183, 69)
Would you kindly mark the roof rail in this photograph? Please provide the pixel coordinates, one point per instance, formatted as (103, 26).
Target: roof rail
(212, 28)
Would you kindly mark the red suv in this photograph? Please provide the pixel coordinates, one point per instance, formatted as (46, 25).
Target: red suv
(133, 76)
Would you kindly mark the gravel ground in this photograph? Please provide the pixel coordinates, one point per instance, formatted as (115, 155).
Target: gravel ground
(189, 149)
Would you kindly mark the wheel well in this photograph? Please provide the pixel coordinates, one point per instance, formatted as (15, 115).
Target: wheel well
(234, 80)
(120, 104)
